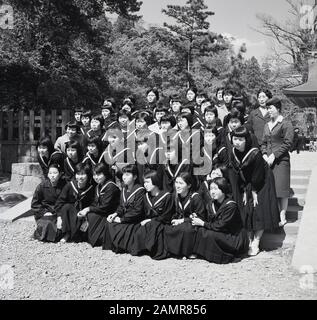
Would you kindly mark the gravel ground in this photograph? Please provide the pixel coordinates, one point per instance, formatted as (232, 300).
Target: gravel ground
(77, 271)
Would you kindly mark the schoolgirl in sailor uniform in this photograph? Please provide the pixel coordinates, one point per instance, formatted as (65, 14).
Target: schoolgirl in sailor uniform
(149, 238)
(94, 154)
(46, 155)
(255, 186)
(96, 125)
(85, 122)
(106, 201)
(221, 237)
(74, 156)
(180, 235)
(76, 195)
(122, 224)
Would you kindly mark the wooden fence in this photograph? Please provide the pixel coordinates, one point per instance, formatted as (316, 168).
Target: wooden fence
(20, 131)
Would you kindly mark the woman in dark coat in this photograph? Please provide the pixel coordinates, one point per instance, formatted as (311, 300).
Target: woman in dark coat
(259, 117)
(46, 155)
(122, 224)
(257, 196)
(180, 235)
(149, 238)
(106, 201)
(221, 237)
(277, 142)
(76, 195)
(43, 205)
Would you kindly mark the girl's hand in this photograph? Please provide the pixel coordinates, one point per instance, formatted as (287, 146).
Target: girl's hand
(176, 222)
(265, 157)
(82, 213)
(255, 198)
(271, 159)
(193, 215)
(59, 223)
(144, 222)
(117, 220)
(198, 222)
(111, 217)
(244, 200)
(48, 214)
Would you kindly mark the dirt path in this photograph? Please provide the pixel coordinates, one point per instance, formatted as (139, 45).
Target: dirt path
(77, 271)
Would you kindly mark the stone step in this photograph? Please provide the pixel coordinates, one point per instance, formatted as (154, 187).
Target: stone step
(301, 190)
(301, 173)
(297, 180)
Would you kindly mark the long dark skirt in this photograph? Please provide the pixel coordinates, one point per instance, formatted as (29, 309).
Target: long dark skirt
(46, 229)
(218, 247)
(96, 228)
(282, 175)
(150, 239)
(70, 222)
(265, 216)
(118, 237)
(235, 189)
(180, 239)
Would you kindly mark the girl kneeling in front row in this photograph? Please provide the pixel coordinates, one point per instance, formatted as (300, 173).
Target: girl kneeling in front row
(122, 224)
(221, 238)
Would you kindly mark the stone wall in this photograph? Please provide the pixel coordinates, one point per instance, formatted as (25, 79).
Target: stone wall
(25, 177)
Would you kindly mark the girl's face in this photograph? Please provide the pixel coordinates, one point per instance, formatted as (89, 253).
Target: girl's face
(105, 113)
(182, 123)
(209, 116)
(209, 138)
(204, 105)
(95, 124)
(181, 186)
(113, 140)
(176, 106)
(216, 173)
(200, 99)
(71, 132)
(81, 178)
(53, 175)
(140, 124)
(127, 108)
(77, 116)
(234, 124)
(42, 150)
(159, 115)
(273, 111)
(71, 153)
(123, 120)
(92, 148)
(219, 95)
(165, 126)
(227, 98)
(262, 98)
(148, 185)
(85, 121)
(239, 143)
(186, 110)
(190, 95)
(215, 192)
(151, 97)
(99, 178)
(128, 178)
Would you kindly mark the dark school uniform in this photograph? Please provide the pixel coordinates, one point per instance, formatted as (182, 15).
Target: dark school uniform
(171, 172)
(92, 160)
(56, 157)
(222, 238)
(180, 239)
(253, 174)
(70, 202)
(106, 201)
(119, 236)
(69, 169)
(150, 239)
(84, 130)
(43, 201)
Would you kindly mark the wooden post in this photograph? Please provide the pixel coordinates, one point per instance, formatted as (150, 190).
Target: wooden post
(1, 125)
(65, 117)
(42, 132)
(10, 125)
(31, 126)
(53, 125)
(21, 132)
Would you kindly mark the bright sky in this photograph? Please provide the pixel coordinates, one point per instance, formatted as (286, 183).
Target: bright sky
(235, 17)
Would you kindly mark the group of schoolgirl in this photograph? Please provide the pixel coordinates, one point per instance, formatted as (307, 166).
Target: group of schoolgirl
(147, 199)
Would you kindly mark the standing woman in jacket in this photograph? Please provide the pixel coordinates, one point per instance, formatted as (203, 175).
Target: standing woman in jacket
(277, 142)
